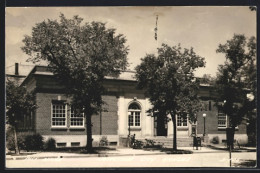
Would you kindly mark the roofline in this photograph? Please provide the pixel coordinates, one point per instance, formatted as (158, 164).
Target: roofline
(29, 74)
(107, 78)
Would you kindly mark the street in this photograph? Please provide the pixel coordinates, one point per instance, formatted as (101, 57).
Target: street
(202, 159)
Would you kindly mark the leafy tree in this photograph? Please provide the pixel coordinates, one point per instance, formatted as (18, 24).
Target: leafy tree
(207, 79)
(236, 78)
(18, 103)
(170, 84)
(80, 56)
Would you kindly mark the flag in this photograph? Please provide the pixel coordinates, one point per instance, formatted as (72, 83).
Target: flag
(155, 29)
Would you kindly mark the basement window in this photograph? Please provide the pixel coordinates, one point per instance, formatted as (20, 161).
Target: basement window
(61, 144)
(75, 144)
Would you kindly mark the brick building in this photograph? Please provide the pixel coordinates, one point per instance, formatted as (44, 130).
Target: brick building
(125, 107)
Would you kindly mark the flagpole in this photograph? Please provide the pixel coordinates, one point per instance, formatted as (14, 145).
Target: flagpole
(155, 34)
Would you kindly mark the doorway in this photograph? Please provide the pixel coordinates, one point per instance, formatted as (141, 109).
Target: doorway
(160, 125)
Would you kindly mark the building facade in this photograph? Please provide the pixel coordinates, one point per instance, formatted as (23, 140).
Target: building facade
(124, 113)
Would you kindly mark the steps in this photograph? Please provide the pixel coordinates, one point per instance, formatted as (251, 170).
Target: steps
(168, 142)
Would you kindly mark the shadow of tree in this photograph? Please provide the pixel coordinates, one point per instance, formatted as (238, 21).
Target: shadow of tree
(245, 163)
(169, 150)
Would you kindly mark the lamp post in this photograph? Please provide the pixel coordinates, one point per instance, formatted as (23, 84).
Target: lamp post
(204, 117)
(129, 114)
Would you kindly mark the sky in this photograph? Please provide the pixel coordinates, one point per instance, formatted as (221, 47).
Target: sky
(202, 28)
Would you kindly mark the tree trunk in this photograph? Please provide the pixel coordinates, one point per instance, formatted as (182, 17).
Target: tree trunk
(89, 133)
(174, 132)
(232, 137)
(17, 151)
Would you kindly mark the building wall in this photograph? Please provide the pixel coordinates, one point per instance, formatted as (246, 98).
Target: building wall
(67, 134)
(211, 126)
(113, 121)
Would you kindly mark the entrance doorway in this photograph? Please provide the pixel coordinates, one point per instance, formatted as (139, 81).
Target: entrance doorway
(160, 126)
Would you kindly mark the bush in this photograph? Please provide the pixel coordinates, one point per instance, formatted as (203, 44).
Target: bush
(33, 142)
(50, 144)
(103, 141)
(152, 144)
(215, 140)
(10, 142)
(138, 144)
(149, 143)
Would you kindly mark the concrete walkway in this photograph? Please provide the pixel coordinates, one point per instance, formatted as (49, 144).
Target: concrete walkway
(116, 152)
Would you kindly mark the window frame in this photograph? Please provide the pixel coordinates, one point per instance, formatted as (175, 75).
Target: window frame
(66, 115)
(134, 111)
(83, 120)
(226, 120)
(181, 119)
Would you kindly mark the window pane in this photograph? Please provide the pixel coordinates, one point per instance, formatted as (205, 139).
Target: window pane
(76, 119)
(222, 120)
(137, 118)
(179, 120)
(58, 115)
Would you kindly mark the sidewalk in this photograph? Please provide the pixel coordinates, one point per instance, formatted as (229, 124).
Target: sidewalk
(236, 149)
(109, 153)
(117, 152)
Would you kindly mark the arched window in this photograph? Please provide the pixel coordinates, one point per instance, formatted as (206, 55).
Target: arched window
(134, 115)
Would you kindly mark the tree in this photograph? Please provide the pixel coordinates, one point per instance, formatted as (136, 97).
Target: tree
(207, 79)
(236, 78)
(80, 56)
(170, 84)
(18, 103)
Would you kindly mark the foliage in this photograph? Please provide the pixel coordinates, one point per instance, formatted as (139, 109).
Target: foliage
(236, 78)
(138, 144)
(18, 103)
(80, 56)
(207, 79)
(33, 142)
(149, 143)
(103, 141)
(215, 140)
(169, 82)
(10, 141)
(50, 144)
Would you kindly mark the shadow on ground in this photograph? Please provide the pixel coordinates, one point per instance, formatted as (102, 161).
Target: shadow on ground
(241, 149)
(246, 163)
(169, 150)
(76, 150)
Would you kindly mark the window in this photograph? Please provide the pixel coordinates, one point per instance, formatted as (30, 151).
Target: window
(59, 115)
(134, 113)
(76, 120)
(222, 120)
(181, 121)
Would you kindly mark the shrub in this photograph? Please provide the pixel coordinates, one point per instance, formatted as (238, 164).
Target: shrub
(103, 141)
(152, 144)
(50, 144)
(149, 143)
(33, 142)
(138, 144)
(10, 142)
(215, 140)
